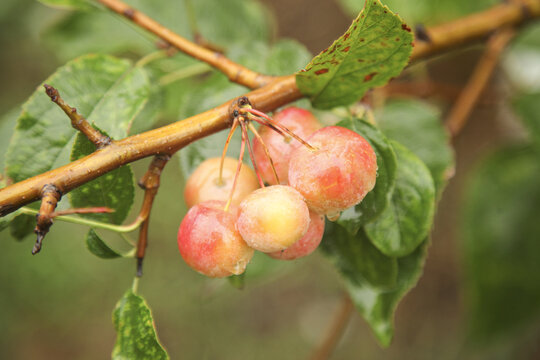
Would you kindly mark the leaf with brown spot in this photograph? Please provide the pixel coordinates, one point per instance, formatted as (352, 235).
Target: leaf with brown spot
(344, 78)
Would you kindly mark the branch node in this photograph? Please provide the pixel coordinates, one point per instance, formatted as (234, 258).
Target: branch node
(50, 195)
(421, 33)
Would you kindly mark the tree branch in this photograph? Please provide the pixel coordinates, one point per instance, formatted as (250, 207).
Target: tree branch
(235, 72)
(280, 91)
(477, 82)
(475, 27)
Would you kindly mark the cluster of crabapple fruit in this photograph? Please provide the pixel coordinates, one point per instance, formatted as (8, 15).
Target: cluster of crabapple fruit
(232, 212)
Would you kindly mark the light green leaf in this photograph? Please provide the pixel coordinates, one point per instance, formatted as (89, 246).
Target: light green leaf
(136, 334)
(418, 126)
(90, 83)
(377, 199)
(501, 244)
(98, 247)
(521, 61)
(376, 48)
(358, 261)
(407, 219)
(5, 220)
(528, 107)
(378, 306)
(68, 4)
(114, 189)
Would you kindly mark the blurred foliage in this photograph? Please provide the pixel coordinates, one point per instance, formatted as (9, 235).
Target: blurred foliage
(428, 12)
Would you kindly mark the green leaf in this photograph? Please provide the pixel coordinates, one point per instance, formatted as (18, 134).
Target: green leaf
(418, 125)
(357, 259)
(501, 232)
(114, 189)
(68, 4)
(407, 219)
(377, 199)
(528, 107)
(136, 335)
(376, 48)
(43, 136)
(98, 247)
(378, 306)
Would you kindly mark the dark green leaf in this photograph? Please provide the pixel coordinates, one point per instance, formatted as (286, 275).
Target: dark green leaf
(378, 306)
(528, 107)
(238, 281)
(43, 136)
(357, 259)
(418, 126)
(98, 247)
(21, 226)
(377, 199)
(114, 189)
(136, 335)
(376, 48)
(406, 221)
(501, 243)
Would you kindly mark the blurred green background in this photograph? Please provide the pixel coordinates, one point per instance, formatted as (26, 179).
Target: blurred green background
(58, 305)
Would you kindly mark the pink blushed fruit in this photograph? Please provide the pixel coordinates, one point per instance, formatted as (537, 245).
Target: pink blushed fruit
(209, 242)
(307, 244)
(273, 218)
(299, 121)
(338, 174)
(204, 184)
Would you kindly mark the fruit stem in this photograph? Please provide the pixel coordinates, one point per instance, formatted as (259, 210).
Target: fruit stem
(229, 137)
(239, 167)
(256, 133)
(251, 155)
(270, 121)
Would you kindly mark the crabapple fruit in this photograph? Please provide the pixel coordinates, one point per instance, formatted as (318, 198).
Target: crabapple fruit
(307, 244)
(273, 218)
(338, 174)
(209, 241)
(204, 184)
(299, 121)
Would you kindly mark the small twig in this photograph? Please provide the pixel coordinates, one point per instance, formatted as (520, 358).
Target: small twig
(335, 332)
(88, 210)
(235, 72)
(50, 196)
(77, 120)
(477, 82)
(150, 184)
